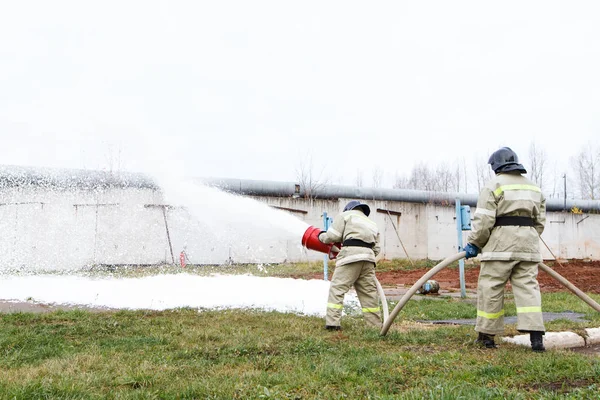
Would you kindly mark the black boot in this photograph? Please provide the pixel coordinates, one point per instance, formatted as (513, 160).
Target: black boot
(486, 340)
(537, 341)
(333, 327)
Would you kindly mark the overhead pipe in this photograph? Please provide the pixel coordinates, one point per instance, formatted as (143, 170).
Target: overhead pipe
(291, 189)
(254, 187)
(61, 178)
(11, 175)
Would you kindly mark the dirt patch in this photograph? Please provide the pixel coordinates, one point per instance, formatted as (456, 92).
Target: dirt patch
(583, 274)
(563, 387)
(589, 350)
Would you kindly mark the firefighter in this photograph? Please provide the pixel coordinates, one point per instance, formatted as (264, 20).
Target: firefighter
(355, 263)
(510, 217)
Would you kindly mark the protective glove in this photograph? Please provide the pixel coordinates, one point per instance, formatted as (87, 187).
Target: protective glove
(471, 250)
(319, 236)
(335, 249)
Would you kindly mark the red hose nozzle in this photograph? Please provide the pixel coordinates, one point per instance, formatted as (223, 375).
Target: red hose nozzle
(311, 241)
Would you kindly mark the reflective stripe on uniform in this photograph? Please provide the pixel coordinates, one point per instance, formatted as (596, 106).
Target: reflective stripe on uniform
(490, 315)
(372, 309)
(523, 310)
(485, 211)
(337, 306)
(503, 188)
(528, 195)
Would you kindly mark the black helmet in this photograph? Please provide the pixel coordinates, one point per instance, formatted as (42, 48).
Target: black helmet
(357, 204)
(505, 160)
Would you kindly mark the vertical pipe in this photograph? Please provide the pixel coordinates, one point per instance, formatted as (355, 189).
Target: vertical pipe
(400, 240)
(96, 235)
(461, 262)
(565, 185)
(168, 235)
(326, 257)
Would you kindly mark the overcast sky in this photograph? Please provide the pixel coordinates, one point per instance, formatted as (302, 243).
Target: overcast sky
(246, 89)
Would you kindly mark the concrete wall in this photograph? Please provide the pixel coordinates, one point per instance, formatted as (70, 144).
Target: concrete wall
(47, 229)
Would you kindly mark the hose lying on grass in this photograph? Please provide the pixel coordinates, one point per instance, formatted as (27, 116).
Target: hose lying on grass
(447, 261)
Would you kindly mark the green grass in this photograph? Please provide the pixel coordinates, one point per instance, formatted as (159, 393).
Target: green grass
(297, 269)
(451, 308)
(186, 354)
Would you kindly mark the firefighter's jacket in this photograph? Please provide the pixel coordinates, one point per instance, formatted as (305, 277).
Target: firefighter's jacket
(509, 194)
(353, 224)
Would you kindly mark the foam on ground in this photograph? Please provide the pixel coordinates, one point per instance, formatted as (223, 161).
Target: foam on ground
(170, 291)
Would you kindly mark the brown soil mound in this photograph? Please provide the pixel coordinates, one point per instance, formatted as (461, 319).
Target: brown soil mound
(583, 274)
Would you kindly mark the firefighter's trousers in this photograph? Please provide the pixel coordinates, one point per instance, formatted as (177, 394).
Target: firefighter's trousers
(490, 296)
(361, 274)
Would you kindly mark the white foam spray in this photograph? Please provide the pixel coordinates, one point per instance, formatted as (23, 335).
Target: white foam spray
(218, 209)
(228, 217)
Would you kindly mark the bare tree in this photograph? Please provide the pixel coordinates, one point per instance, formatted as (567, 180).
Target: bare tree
(112, 156)
(465, 175)
(457, 176)
(421, 178)
(557, 181)
(359, 178)
(445, 178)
(339, 179)
(587, 169)
(377, 176)
(483, 172)
(537, 160)
(554, 181)
(308, 177)
(400, 182)
(442, 178)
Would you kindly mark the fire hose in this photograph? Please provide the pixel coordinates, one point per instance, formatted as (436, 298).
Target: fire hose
(310, 241)
(447, 261)
(388, 322)
(384, 304)
(570, 286)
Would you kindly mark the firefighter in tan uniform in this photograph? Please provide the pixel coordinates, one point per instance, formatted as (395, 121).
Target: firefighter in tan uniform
(355, 263)
(510, 216)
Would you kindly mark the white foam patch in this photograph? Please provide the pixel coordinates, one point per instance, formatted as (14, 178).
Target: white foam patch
(169, 291)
